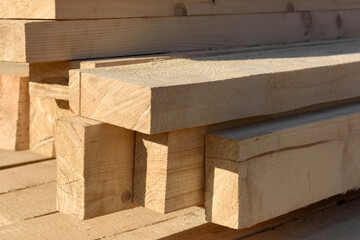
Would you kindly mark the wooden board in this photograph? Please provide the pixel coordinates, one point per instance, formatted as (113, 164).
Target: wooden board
(22, 177)
(61, 226)
(14, 111)
(262, 171)
(183, 93)
(95, 167)
(187, 224)
(92, 9)
(9, 159)
(118, 37)
(43, 115)
(169, 170)
(27, 203)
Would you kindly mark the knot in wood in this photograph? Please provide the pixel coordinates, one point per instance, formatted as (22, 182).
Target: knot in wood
(306, 19)
(126, 196)
(290, 7)
(180, 10)
(339, 21)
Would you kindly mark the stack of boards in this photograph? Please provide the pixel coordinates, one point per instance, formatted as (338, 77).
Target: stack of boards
(249, 107)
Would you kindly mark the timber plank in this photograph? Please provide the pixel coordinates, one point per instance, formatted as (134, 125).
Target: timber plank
(10, 159)
(183, 93)
(38, 41)
(92, 9)
(27, 203)
(61, 226)
(22, 177)
(186, 224)
(262, 171)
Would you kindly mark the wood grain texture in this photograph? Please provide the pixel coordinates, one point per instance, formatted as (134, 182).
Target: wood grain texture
(93, 9)
(62, 227)
(14, 179)
(262, 171)
(14, 111)
(43, 115)
(10, 159)
(190, 224)
(165, 96)
(38, 41)
(27, 203)
(169, 170)
(51, 79)
(95, 167)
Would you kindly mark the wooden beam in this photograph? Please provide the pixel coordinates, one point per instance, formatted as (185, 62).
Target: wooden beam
(169, 170)
(262, 171)
(106, 38)
(85, 9)
(183, 93)
(95, 167)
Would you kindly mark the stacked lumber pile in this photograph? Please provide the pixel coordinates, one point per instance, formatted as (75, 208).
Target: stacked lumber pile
(250, 108)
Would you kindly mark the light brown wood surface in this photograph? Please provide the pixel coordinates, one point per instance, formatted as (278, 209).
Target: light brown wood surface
(119, 37)
(27, 203)
(95, 167)
(28, 214)
(169, 170)
(51, 79)
(325, 220)
(10, 159)
(14, 111)
(22, 177)
(93, 9)
(160, 97)
(262, 171)
(43, 115)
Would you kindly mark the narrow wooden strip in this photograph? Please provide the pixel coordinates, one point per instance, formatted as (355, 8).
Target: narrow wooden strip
(45, 90)
(27, 204)
(18, 178)
(37, 41)
(10, 159)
